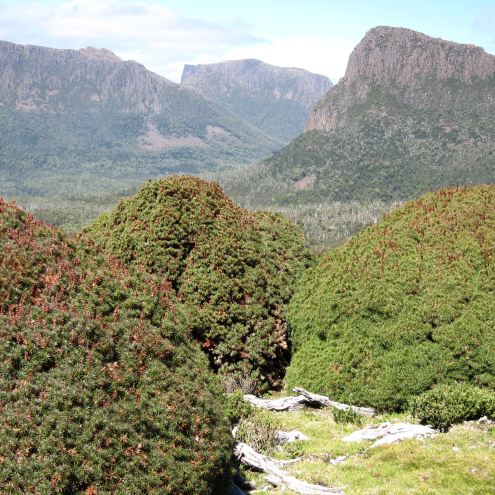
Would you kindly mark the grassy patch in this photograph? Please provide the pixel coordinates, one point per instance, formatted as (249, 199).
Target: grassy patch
(460, 461)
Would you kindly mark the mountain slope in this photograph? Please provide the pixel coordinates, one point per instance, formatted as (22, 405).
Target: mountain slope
(412, 113)
(87, 123)
(276, 100)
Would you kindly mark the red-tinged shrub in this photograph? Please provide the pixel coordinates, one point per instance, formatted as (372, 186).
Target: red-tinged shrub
(101, 390)
(233, 270)
(404, 305)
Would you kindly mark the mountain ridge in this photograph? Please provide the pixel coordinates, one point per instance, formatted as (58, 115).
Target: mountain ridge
(275, 99)
(408, 59)
(85, 124)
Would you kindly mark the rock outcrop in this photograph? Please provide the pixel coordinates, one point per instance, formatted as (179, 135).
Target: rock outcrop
(49, 77)
(403, 62)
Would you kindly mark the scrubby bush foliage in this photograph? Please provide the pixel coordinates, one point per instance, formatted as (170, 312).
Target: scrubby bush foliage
(236, 407)
(259, 431)
(449, 404)
(233, 270)
(404, 305)
(101, 390)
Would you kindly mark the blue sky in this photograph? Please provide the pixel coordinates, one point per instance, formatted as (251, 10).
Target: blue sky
(317, 35)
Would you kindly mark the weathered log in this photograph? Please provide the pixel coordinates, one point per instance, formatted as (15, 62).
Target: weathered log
(277, 476)
(284, 404)
(305, 398)
(387, 433)
(316, 400)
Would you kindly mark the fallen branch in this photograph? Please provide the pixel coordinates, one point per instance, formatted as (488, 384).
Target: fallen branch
(285, 404)
(277, 476)
(322, 401)
(305, 398)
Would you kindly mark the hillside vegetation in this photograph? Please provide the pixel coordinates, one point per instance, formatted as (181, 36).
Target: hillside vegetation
(101, 389)
(276, 100)
(402, 306)
(233, 271)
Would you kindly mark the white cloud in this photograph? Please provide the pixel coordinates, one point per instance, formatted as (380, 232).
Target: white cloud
(323, 56)
(159, 38)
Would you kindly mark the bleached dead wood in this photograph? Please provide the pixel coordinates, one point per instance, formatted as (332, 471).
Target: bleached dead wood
(387, 433)
(276, 475)
(323, 401)
(285, 404)
(305, 398)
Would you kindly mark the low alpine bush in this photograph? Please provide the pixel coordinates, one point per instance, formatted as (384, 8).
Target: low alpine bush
(448, 404)
(233, 270)
(101, 389)
(404, 305)
(259, 431)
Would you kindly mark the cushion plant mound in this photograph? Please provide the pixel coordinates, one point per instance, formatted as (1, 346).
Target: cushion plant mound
(101, 390)
(448, 404)
(233, 270)
(404, 305)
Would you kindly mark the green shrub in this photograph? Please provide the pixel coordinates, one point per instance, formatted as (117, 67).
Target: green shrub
(237, 408)
(402, 306)
(101, 389)
(447, 404)
(346, 416)
(233, 270)
(295, 449)
(259, 431)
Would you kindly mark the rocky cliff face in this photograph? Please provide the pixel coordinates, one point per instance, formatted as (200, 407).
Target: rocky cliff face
(36, 78)
(253, 76)
(408, 57)
(275, 99)
(410, 66)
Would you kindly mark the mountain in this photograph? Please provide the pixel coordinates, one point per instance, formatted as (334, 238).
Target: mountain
(276, 100)
(414, 69)
(78, 127)
(412, 114)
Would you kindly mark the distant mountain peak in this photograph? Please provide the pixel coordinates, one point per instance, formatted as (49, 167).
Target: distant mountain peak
(100, 54)
(409, 66)
(405, 56)
(275, 99)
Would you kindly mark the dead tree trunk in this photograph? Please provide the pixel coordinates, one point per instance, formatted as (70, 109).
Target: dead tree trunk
(305, 398)
(277, 476)
(322, 401)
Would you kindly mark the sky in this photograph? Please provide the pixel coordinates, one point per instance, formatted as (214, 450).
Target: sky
(317, 35)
